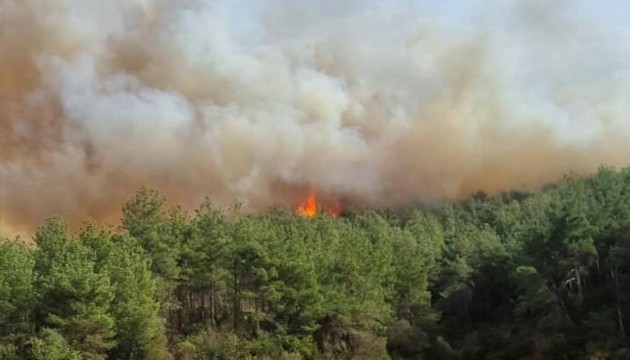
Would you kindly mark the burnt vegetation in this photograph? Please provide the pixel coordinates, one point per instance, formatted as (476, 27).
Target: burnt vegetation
(520, 275)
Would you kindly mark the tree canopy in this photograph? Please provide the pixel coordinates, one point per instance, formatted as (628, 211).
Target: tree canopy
(518, 275)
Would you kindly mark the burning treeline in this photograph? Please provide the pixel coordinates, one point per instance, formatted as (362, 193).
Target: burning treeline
(314, 204)
(381, 104)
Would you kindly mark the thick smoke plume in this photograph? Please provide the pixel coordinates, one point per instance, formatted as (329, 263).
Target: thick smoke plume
(376, 103)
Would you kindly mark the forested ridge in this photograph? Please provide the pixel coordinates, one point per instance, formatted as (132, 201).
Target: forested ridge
(519, 275)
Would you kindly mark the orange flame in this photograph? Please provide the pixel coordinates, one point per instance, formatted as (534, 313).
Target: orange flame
(308, 207)
(311, 205)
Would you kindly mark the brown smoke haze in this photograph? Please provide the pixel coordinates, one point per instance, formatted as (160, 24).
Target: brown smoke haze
(376, 103)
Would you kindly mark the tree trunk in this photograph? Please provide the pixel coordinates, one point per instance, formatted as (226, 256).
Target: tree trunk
(212, 311)
(615, 274)
(236, 300)
(578, 279)
(191, 307)
(202, 310)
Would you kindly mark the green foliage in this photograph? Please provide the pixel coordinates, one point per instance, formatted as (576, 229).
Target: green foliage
(512, 276)
(50, 345)
(73, 298)
(160, 233)
(139, 330)
(16, 285)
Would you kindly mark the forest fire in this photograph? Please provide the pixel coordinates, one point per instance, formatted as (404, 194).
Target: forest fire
(310, 206)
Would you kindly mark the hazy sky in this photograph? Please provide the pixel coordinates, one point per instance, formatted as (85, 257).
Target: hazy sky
(615, 12)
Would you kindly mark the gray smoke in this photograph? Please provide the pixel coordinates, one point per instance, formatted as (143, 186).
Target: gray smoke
(376, 103)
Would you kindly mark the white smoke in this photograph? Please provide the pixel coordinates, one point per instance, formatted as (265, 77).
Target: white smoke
(378, 103)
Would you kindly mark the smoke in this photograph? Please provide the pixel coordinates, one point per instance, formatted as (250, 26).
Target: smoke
(377, 103)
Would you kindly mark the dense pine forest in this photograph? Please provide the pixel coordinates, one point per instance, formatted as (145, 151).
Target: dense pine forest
(519, 275)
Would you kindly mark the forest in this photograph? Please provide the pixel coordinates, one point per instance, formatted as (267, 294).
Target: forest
(519, 275)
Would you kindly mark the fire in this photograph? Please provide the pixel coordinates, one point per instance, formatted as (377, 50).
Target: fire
(311, 205)
(308, 207)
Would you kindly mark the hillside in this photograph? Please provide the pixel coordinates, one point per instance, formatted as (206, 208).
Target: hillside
(541, 275)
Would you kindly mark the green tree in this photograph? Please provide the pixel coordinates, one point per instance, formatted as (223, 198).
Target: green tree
(139, 329)
(73, 298)
(16, 296)
(160, 233)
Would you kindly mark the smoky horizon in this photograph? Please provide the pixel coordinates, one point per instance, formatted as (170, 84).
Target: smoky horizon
(377, 104)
